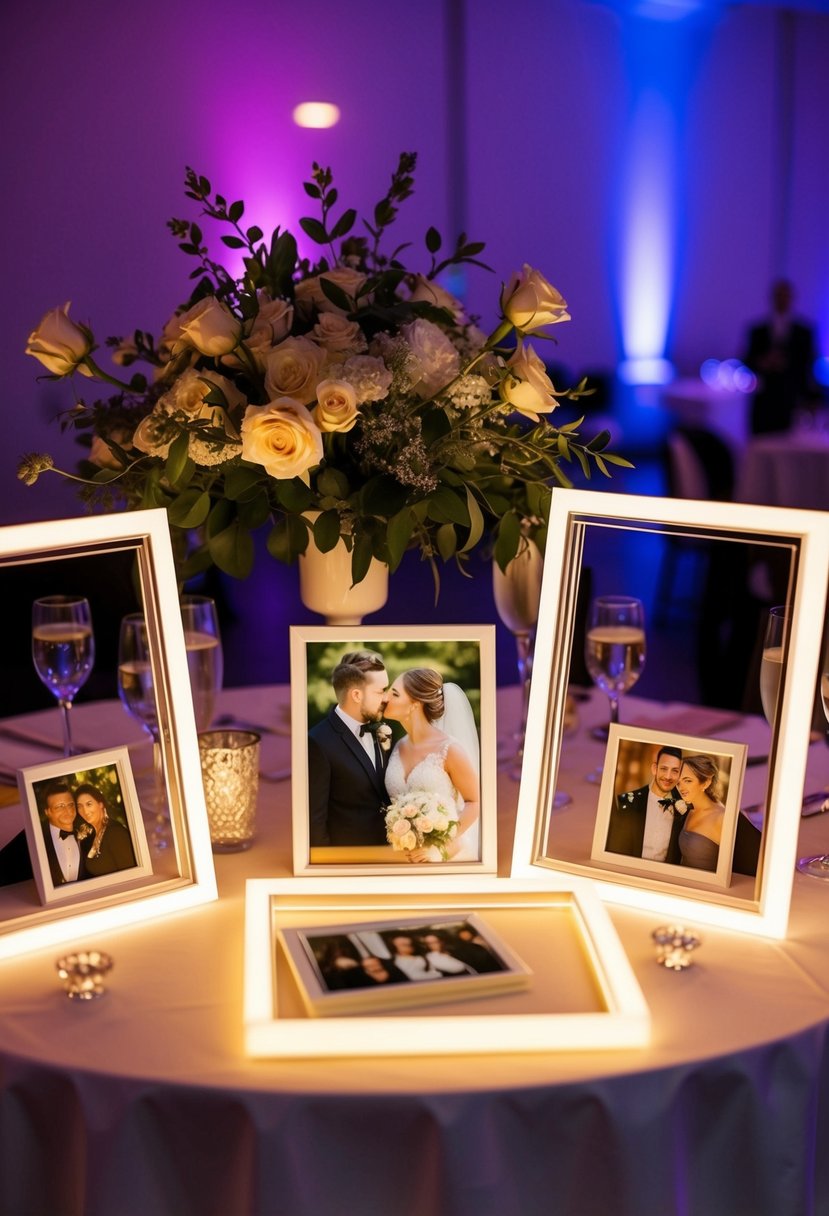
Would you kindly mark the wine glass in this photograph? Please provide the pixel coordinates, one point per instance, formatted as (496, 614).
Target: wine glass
(137, 693)
(817, 866)
(202, 641)
(614, 650)
(63, 650)
(517, 591)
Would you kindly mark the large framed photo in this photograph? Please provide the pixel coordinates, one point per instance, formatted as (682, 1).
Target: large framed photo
(118, 562)
(548, 972)
(393, 749)
(84, 827)
(706, 673)
(669, 807)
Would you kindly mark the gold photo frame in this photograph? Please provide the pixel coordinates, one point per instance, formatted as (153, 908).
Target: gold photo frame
(746, 552)
(583, 995)
(343, 807)
(35, 559)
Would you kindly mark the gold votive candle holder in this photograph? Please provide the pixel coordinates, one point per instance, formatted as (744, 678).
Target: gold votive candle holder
(230, 773)
(83, 973)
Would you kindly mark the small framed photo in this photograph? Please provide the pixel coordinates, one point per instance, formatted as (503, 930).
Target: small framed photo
(669, 806)
(547, 968)
(712, 578)
(368, 966)
(83, 825)
(393, 749)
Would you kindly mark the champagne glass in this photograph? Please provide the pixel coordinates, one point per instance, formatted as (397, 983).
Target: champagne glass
(63, 650)
(614, 650)
(771, 664)
(205, 664)
(137, 693)
(817, 866)
(517, 591)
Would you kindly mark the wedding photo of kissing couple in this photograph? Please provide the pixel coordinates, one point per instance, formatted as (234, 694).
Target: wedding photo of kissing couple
(394, 749)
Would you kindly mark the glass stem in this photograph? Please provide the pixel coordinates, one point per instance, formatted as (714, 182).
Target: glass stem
(614, 710)
(524, 646)
(65, 706)
(158, 778)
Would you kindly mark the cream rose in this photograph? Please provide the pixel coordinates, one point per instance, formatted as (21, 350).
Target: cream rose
(435, 361)
(527, 387)
(309, 293)
(335, 333)
(209, 327)
(102, 455)
(188, 393)
(282, 437)
(529, 302)
(336, 408)
(432, 293)
(60, 344)
(292, 369)
(155, 433)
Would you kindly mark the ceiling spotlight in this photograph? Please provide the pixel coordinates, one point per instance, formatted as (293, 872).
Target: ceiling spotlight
(316, 114)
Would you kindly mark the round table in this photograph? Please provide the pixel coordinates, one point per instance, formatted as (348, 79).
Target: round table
(144, 1102)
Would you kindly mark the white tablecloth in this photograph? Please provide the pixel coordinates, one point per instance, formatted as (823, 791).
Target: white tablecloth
(143, 1102)
(789, 470)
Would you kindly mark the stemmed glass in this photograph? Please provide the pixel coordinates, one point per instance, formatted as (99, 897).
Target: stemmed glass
(517, 592)
(63, 650)
(137, 693)
(205, 663)
(614, 650)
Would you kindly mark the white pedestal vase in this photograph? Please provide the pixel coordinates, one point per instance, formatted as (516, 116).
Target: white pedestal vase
(325, 585)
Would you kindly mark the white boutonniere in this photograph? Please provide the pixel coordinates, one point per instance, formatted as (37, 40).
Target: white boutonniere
(384, 736)
(83, 831)
(682, 808)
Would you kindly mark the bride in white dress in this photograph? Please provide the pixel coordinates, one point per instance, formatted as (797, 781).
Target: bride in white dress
(439, 753)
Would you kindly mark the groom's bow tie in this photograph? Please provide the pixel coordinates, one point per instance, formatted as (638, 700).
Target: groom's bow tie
(369, 728)
(64, 833)
(667, 804)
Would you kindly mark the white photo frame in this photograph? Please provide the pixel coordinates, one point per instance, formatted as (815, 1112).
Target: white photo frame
(584, 994)
(796, 541)
(129, 863)
(184, 876)
(463, 655)
(617, 847)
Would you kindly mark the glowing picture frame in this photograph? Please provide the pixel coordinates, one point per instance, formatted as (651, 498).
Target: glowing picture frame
(586, 997)
(187, 877)
(801, 540)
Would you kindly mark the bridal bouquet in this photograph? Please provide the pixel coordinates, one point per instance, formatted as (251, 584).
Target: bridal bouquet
(343, 396)
(420, 820)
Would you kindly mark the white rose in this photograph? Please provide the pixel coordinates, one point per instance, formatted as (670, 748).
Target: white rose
(435, 360)
(60, 344)
(209, 327)
(309, 294)
(529, 302)
(409, 841)
(527, 387)
(282, 437)
(275, 316)
(337, 406)
(424, 824)
(401, 827)
(433, 293)
(292, 369)
(187, 393)
(334, 332)
(155, 433)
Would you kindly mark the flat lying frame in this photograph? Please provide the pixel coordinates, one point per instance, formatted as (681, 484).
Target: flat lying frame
(192, 880)
(618, 1018)
(808, 531)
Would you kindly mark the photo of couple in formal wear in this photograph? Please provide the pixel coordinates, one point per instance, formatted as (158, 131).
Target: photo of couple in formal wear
(80, 827)
(674, 802)
(396, 738)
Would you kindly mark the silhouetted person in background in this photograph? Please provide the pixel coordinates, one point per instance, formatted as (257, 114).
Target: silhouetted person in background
(781, 352)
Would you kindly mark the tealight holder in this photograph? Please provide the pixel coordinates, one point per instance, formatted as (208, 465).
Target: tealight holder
(83, 974)
(230, 773)
(674, 945)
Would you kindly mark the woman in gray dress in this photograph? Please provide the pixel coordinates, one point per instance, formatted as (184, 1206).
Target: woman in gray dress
(700, 789)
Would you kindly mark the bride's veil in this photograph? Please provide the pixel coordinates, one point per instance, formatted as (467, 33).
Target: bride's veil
(459, 721)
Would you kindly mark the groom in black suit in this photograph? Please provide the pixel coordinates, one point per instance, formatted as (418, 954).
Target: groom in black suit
(643, 822)
(66, 834)
(346, 764)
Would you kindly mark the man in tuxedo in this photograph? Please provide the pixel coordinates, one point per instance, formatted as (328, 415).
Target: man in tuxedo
(643, 822)
(347, 794)
(67, 843)
(781, 352)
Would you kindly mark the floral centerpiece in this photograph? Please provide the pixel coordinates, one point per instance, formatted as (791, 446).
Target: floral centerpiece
(345, 397)
(421, 820)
